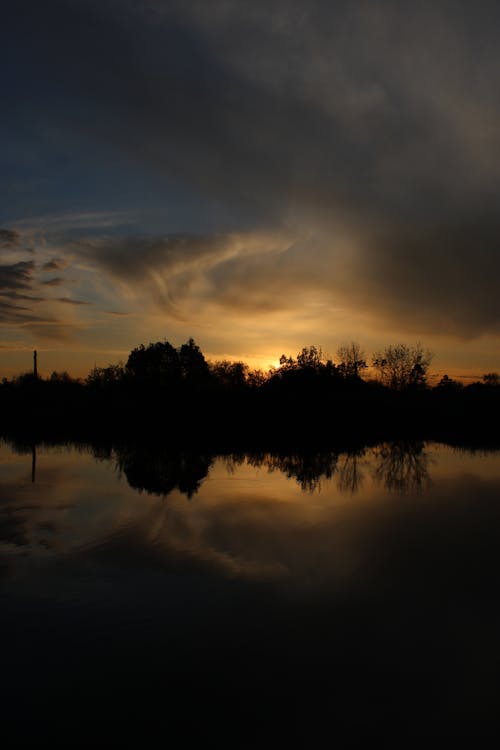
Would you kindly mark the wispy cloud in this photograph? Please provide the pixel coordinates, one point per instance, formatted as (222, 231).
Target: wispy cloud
(23, 305)
(68, 301)
(16, 276)
(66, 222)
(54, 281)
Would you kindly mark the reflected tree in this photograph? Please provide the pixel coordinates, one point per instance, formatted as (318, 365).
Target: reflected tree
(350, 472)
(402, 467)
(159, 471)
(308, 469)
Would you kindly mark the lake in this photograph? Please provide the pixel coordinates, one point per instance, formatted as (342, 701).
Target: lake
(248, 600)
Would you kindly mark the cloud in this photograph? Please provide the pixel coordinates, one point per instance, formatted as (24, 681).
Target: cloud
(51, 329)
(365, 135)
(69, 222)
(54, 281)
(16, 275)
(261, 273)
(27, 297)
(16, 314)
(56, 264)
(434, 276)
(18, 292)
(186, 270)
(69, 301)
(9, 237)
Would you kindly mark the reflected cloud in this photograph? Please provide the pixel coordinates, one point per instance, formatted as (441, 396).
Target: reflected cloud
(309, 519)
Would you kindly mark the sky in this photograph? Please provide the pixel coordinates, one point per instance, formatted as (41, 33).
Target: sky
(260, 176)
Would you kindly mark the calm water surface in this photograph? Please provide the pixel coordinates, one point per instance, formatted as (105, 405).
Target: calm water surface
(246, 600)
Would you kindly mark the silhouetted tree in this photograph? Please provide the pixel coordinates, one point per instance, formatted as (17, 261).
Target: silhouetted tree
(159, 360)
(25, 379)
(351, 360)
(400, 366)
(448, 384)
(256, 378)
(491, 379)
(311, 358)
(106, 376)
(229, 374)
(286, 363)
(61, 377)
(194, 367)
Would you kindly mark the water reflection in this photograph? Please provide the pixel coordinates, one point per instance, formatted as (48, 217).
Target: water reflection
(158, 471)
(308, 469)
(284, 570)
(351, 474)
(33, 463)
(400, 467)
(81, 495)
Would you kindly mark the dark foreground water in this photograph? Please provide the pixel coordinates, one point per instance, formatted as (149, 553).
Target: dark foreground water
(248, 601)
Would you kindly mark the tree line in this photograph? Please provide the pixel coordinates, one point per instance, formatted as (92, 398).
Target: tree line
(398, 367)
(177, 395)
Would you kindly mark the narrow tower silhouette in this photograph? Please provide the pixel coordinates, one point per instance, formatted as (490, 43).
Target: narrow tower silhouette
(35, 368)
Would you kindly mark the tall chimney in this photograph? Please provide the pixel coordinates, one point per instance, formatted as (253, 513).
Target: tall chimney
(35, 368)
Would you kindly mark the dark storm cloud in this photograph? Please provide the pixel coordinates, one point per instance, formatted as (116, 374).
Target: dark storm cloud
(382, 115)
(441, 277)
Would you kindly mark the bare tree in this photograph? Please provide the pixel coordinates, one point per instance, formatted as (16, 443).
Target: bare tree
(351, 359)
(400, 366)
